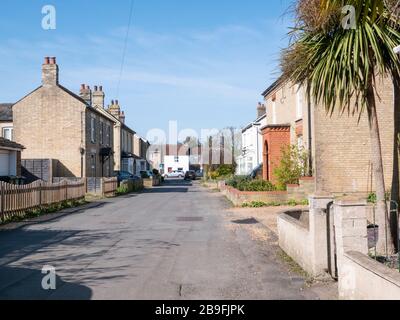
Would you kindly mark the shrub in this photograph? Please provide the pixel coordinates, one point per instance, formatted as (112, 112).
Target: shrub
(235, 181)
(243, 183)
(124, 189)
(221, 172)
(256, 186)
(292, 167)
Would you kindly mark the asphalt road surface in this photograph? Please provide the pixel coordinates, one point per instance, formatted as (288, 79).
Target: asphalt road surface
(172, 242)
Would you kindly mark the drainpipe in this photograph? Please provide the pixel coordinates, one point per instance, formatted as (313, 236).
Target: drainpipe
(310, 139)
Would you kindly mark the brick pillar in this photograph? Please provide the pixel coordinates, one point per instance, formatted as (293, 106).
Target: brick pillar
(319, 232)
(351, 235)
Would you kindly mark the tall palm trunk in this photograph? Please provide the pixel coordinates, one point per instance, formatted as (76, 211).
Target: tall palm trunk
(395, 197)
(385, 242)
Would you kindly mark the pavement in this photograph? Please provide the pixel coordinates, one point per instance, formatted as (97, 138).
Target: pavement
(178, 241)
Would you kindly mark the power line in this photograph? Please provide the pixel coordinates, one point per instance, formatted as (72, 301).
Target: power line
(125, 47)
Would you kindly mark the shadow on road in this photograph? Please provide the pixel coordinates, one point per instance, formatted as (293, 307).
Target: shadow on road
(172, 186)
(26, 284)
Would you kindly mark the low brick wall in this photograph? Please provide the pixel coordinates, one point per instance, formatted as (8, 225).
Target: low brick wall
(362, 278)
(294, 192)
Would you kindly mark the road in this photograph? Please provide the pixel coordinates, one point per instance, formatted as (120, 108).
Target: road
(172, 242)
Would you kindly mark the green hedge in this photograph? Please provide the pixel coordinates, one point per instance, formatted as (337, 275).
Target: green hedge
(246, 184)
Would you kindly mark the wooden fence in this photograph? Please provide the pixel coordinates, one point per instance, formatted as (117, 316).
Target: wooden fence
(15, 199)
(109, 186)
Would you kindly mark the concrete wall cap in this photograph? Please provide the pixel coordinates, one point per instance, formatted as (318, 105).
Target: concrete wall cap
(322, 195)
(350, 202)
(375, 267)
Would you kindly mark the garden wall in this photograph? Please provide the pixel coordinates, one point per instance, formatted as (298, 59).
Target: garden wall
(152, 182)
(295, 239)
(294, 192)
(362, 278)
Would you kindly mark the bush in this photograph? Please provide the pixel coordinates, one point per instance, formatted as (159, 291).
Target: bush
(292, 167)
(221, 172)
(235, 181)
(123, 189)
(256, 186)
(247, 184)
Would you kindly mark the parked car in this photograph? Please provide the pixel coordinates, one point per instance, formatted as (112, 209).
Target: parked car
(124, 175)
(174, 174)
(257, 172)
(199, 174)
(146, 174)
(190, 175)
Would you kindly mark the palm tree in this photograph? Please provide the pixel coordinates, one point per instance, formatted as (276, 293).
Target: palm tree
(338, 65)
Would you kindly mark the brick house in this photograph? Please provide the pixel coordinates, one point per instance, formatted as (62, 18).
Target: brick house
(288, 123)
(252, 143)
(140, 149)
(10, 159)
(54, 123)
(339, 144)
(6, 121)
(123, 155)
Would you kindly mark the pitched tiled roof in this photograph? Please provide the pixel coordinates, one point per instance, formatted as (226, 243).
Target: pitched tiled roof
(4, 143)
(6, 112)
(274, 86)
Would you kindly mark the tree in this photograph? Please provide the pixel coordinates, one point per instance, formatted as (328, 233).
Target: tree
(338, 58)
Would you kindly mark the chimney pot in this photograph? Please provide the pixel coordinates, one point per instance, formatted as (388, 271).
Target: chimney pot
(52, 60)
(112, 102)
(95, 88)
(83, 87)
(88, 87)
(116, 102)
(49, 72)
(101, 88)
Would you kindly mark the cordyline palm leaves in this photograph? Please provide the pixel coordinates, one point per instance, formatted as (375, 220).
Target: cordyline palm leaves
(339, 63)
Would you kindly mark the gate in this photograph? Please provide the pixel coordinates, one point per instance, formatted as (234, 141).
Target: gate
(331, 239)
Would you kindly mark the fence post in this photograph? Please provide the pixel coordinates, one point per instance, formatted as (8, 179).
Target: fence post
(66, 190)
(2, 200)
(40, 193)
(102, 184)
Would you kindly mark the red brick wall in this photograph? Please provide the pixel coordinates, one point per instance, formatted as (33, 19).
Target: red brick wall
(276, 138)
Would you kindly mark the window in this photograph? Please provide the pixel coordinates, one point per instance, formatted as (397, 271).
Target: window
(299, 103)
(108, 134)
(300, 142)
(176, 159)
(101, 132)
(93, 129)
(274, 115)
(8, 133)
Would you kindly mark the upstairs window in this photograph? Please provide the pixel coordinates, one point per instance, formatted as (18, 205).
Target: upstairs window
(299, 103)
(101, 132)
(93, 129)
(108, 134)
(8, 133)
(274, 113)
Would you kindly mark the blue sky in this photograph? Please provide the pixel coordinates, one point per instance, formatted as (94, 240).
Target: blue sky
(202, 63)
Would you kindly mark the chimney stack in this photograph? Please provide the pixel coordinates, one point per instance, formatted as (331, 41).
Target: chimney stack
(122, 117)
(261, 110)
(86, 94)
(98, 97)
(115, 109)
(50, 72)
